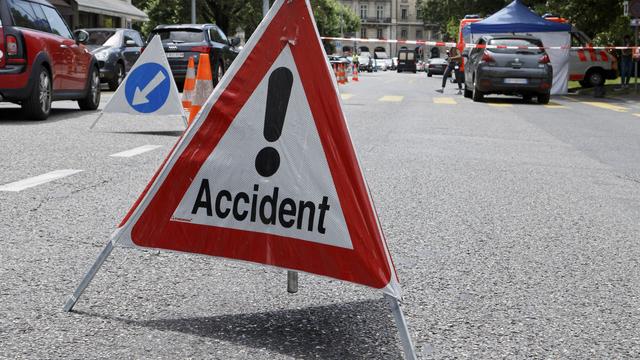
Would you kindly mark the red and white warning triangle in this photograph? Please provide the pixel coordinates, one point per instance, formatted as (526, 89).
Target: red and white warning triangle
(267, 172)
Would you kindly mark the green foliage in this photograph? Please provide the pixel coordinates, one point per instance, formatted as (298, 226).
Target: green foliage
(230, 15)
(602, 20)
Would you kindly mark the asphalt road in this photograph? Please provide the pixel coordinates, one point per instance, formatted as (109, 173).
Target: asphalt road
(514, 228)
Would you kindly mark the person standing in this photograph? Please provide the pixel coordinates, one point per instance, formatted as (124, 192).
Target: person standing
(455, 60)
(626, 63)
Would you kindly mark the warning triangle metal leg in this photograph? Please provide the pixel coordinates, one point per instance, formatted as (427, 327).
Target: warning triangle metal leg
(71, 301)
(95, 122)
(403, 330)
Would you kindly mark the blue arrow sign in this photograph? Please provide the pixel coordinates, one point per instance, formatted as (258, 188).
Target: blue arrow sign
(147, 87)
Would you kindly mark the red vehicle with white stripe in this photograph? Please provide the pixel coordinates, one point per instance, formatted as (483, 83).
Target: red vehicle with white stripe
(591, 67)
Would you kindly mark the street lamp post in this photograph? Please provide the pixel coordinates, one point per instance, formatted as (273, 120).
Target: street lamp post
(193, 11)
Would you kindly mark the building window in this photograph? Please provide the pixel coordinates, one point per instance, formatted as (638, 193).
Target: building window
(363, 33)
(419, 35)
(404, 15)
(380, 35)
(380, 12)
(403, 34)
(363, 11)
(419, 13)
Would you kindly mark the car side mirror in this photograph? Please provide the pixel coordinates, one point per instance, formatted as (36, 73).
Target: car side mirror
(82, 36)
(131, 43)
(235, 41)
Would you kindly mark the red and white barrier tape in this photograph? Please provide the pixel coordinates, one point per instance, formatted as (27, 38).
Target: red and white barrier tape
(473, 46)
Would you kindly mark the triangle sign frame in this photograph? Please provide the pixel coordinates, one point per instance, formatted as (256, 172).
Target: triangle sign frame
(288, 26)
(147, 89)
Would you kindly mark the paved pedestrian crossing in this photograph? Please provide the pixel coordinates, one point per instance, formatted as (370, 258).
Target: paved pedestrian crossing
(562, 103)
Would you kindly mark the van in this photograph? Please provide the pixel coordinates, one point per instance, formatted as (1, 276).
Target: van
(406, 60)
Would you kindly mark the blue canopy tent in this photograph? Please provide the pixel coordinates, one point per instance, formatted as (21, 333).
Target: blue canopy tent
(517, 18)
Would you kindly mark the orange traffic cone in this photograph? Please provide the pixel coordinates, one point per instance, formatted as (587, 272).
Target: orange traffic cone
(335, 72)
(341, 74)
(345, 73)
(189, 85)
(204, 86)
(355, 73)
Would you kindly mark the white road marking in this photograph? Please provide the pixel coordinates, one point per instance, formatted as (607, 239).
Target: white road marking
(38, 180)
(136, 151)
(346, 96)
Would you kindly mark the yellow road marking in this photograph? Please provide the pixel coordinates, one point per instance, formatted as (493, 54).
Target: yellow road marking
(444, 100)
(391, 98)
(555, 105)
(604, 105)
(346, 96)
(500, 105)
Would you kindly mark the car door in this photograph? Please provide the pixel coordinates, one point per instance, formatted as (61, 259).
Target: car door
(132, 46)
(72, 60)
(30, 18)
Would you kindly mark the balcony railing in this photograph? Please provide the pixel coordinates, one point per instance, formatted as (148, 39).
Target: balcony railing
(376, 20)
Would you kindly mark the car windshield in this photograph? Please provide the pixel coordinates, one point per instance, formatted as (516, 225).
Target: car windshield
(179, 36)
(517, 42)
(104, 38)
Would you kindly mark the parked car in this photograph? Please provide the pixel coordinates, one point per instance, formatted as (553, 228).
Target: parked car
(436, 66)
(525, 72)
(41, 61)
(183, 41)
(116, 51)
(420, 65)
(381, 58)
(406, 60)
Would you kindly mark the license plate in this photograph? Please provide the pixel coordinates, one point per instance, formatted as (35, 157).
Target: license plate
(175, 55)
(515, 81)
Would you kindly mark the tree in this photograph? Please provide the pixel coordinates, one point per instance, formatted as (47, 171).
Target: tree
(601, 20)
(331, 16)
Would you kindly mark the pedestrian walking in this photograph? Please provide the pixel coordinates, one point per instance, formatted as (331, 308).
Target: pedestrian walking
(626, 63)
(455, 60)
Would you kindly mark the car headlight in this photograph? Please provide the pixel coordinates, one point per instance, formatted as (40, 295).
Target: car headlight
(102, 55)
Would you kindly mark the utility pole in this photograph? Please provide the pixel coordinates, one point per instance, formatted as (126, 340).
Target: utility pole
(265, 7)
(193, 11)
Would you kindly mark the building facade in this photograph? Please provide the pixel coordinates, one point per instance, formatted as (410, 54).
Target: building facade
(386, 19)
(99, 13)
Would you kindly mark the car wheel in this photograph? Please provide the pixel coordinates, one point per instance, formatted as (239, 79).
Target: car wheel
(92, 98)
(527, 98)
(38, 105)
(595, 78)
(118, 77)
(477, 95)
(467, 93)
(544, 98)
(429, 74)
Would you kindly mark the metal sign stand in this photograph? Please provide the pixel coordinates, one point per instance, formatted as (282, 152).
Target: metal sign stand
(106, 251)
(403, 330)
(95, 122)
(633, 61)
(292, 287)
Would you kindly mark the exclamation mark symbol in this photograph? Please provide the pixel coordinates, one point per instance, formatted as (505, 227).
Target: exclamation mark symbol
(278, 93)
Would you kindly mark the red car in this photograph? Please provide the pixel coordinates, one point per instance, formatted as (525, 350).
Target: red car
(41, 61)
